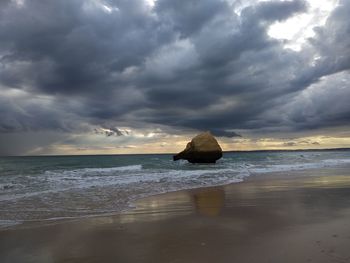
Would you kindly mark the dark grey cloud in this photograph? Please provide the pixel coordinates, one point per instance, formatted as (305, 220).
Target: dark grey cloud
(23, 114)
(299, 143)
(68, 47)
(333, 42)
(112, 131)
(324, 104)
(189, 17)
(183, 65)
(234, 59)
(223, 133)
(324, 85)
(20, 143)
(331, 48)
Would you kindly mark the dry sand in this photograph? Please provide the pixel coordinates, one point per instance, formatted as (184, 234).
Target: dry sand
(276, 218)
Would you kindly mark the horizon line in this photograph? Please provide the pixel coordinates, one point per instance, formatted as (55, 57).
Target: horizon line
(230, 151)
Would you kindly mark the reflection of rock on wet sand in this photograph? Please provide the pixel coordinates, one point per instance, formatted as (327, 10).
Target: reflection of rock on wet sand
(209, 202)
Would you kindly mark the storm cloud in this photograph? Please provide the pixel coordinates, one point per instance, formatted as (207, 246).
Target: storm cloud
(85, 66)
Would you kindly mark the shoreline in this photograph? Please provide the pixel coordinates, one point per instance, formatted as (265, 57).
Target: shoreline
(133, 204)
(286, 218)
(100, 187)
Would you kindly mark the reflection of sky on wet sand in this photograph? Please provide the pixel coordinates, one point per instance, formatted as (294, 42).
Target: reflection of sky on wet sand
(256, 193)
(261, 194)
(159, 207)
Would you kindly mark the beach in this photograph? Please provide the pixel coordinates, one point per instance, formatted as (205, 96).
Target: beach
(164, 131)
(301, 216)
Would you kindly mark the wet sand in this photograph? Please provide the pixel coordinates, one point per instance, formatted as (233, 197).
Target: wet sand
(273, 218)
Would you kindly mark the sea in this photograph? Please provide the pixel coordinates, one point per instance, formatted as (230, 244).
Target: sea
(45, 188)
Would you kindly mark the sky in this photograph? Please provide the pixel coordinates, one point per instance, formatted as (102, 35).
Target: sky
(144, 76)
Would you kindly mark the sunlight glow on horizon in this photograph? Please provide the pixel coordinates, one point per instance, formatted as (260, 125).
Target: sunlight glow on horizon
(174, 143)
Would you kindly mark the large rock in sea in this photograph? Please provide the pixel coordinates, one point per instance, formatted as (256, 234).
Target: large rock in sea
(203, 148)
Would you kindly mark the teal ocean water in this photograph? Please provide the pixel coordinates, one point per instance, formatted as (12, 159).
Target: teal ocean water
(52, 187)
